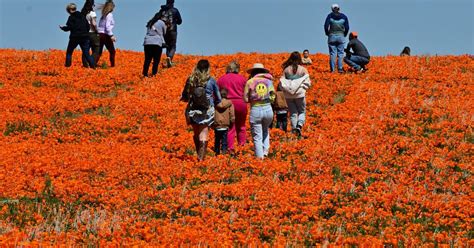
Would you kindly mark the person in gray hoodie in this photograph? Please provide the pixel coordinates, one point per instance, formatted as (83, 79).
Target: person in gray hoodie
(154, 43)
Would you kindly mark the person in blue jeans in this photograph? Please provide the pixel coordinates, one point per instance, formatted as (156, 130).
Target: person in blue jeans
(336, 28)
(79, 27)
(359, 57)
(260, 93)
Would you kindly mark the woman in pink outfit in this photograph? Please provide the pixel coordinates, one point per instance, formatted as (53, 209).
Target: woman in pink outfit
(235, 84)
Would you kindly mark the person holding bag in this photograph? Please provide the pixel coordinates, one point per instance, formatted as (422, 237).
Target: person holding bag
(294, 84)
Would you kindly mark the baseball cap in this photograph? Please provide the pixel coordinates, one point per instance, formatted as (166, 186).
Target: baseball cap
(335, 6)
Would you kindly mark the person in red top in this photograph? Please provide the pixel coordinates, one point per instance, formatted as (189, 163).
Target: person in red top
(235, 84)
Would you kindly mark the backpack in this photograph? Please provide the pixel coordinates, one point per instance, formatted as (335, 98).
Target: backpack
(280, 101)
(198, 99)
(168, 18)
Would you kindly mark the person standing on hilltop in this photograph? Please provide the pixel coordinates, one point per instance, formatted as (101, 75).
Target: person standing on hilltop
(336, 28)
(153, 43)
(173, 19)
(79, 27)
(105, 29)
(89, 13)
(359, 57)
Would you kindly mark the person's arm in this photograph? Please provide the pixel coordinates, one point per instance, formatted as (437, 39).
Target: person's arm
(217, 94)
(109, 25)
(346, 25)
(94, 22)
(232, 114)
(326, 26)
(271, 92)
(178, 17)
(68, 25)
(246, 92)
(185, 93)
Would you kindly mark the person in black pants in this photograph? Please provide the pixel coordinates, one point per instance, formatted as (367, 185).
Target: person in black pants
(153, 44)
(79, 27)
(173, 19)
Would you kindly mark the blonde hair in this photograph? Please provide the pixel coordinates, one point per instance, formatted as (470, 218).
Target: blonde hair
(71, 7)
(200, 74)
(233, 67)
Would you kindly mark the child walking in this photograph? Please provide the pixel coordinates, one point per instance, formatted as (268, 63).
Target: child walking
(280, 107)
(224, 118)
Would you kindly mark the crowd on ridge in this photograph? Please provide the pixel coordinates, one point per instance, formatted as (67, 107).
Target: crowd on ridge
(221, 104)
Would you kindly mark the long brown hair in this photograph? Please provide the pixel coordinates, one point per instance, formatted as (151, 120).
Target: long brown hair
(107, 8)
(294, 60)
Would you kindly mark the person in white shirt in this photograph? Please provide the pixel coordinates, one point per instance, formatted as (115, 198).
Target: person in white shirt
(88, 12)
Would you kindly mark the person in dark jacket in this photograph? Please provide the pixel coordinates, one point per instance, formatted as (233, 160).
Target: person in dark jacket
(79, 27)
(173, 19)
(359, 57)
(336, 28)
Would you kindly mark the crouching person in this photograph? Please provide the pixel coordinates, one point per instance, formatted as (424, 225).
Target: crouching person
(359, 57)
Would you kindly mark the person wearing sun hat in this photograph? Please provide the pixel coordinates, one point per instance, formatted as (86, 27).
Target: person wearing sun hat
(336, 28)
(260, 93)
(359, 57)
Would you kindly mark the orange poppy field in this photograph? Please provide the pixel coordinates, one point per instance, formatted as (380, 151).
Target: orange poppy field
(104, 157)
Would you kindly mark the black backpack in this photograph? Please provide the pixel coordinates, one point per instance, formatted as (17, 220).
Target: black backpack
(198, 98)
(168, 18)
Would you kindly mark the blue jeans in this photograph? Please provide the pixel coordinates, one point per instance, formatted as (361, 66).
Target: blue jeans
(260, 119)
(297, 108)
(170, 39)
(356, 62)
(84, 43)
(220, 141)
(336, 47)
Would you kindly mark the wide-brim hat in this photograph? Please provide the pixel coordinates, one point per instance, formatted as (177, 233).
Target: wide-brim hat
(258, 66)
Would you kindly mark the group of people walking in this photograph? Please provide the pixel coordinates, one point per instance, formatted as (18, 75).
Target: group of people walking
(92, 34)
(222, 104)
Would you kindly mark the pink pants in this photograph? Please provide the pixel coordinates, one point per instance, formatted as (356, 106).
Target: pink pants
(239, 127)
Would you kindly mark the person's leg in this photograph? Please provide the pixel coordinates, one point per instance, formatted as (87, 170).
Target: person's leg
(256, 129)
(340, 53)
(84, 58)
(359, 61)
(202, 132)
(217, 141)
(224, 141)
(349, 62)
(109, 44)
(282, 121)
(332, 52)
(85, 47)
(293, 112)
(266, 121)
(231, 137)
(157, 50)
(301, 106)
(148, 56)
(203, 136)
(95, 46)
(240, 108)
(172, 37)
(102, 40)
(70, 50)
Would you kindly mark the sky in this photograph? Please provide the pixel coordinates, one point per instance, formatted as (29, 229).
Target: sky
(211, 27)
